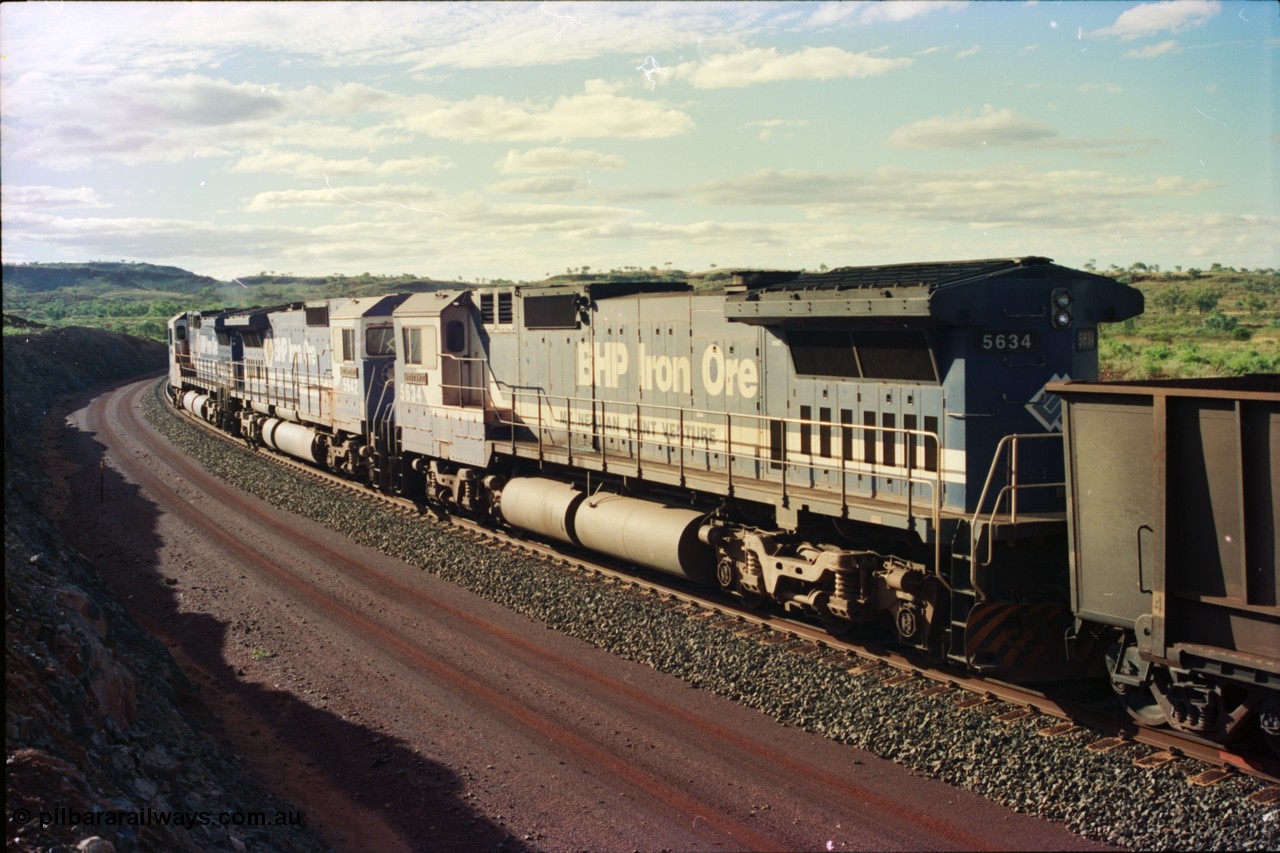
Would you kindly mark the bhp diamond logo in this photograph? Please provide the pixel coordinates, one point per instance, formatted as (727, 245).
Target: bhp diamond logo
(1046, 407)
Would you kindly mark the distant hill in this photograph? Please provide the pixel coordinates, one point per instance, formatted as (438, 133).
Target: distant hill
(139, 298)
(41, 278)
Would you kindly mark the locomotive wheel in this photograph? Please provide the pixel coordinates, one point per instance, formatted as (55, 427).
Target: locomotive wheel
(839, 628)
(730, 580)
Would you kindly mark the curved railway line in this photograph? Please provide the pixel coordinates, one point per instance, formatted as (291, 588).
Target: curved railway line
(1003, 701)
(385, 630)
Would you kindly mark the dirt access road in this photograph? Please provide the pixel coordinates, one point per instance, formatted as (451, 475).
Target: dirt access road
(400, 712)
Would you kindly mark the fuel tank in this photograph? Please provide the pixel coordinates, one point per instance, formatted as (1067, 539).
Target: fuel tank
(541, 506)
(646, 533)
(293, 439)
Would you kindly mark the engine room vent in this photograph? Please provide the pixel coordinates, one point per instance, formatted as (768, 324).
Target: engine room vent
(317, 315)
(559, 311)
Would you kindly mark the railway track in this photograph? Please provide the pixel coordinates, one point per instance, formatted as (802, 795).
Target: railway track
(515, 715)
(1204, 763)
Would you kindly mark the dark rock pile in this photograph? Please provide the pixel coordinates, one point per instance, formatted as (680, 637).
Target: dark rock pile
(106, 745)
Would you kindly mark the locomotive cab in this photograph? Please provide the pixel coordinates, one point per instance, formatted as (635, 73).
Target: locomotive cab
(179, 350)
(440, 375)
(362, 339)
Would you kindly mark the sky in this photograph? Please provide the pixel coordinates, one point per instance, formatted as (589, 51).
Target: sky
(516, 140)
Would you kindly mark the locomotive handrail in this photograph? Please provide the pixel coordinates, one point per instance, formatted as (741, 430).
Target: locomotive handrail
(259, 382)
(597, 428)
(480, 388)
(1008, 444)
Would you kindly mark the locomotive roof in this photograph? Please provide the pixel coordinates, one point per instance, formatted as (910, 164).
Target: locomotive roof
(945, 291)
(430, 303)
(930, 275)
(609, 289)
(366, 306)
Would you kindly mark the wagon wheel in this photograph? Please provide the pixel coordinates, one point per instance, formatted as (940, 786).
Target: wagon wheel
(1138, 700)
(1141, 704)
(1269, 722)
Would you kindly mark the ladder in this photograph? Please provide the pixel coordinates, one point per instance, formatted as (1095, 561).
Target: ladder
(964, 550)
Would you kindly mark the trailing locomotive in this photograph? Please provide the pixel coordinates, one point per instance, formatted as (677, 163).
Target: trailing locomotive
(876, 447)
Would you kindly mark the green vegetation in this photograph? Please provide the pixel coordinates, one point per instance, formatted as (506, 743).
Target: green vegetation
(138, 299)
(1198, 322)
(1215, 322)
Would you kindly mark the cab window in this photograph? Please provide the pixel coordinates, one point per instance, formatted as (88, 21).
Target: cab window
(379, 340)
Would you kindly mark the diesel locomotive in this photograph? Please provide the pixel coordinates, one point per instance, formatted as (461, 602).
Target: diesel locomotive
(878, 448)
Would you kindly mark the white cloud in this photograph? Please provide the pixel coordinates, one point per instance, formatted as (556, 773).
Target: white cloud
(49, 198)
(586, 116)
(766, 65)
(769, 126)
(1149, 19)
(303, 165)
(965, 130)
(1154, 50)
(137, 118)
(548, 185)
(416, 198)
(1005, 195)
(969, 51)
(992, 129)
(521, 35)
(890, 11)
(537, 160)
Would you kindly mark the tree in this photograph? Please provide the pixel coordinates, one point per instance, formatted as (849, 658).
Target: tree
(1216, 321)
(1205, 299)
(1171, 299)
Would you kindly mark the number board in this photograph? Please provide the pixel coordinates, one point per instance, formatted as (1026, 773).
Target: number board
(1008, 341)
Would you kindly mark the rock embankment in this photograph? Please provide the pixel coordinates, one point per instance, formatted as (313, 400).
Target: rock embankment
(106, 743)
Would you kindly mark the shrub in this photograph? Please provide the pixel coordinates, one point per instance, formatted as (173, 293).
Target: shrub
(1216, 321)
